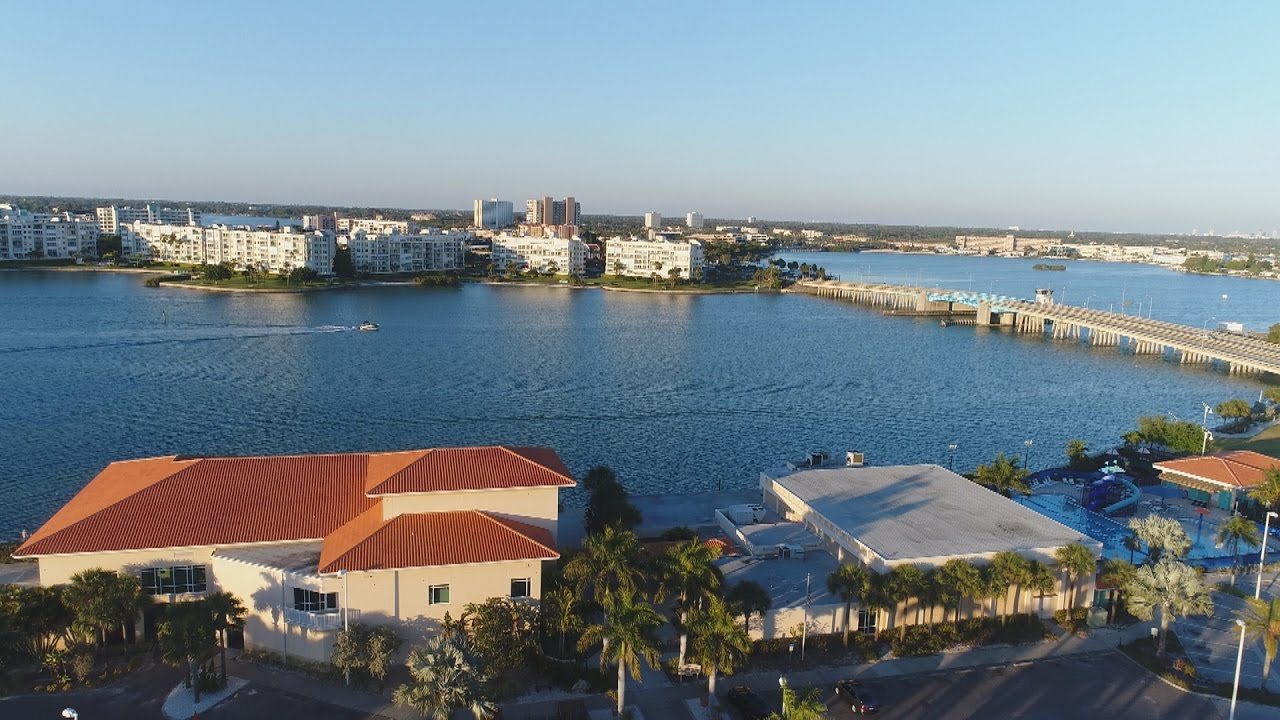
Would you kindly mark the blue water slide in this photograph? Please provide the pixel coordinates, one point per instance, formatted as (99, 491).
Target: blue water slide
(1134, 496)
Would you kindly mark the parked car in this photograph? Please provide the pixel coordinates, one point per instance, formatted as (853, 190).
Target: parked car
(857, 696)
(748, 703)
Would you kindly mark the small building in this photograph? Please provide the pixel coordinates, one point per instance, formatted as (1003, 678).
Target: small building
(1219, 479)
(307, 542)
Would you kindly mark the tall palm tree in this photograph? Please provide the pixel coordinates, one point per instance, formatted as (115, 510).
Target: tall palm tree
(1042, 579)
(445, 675)
(903, 583)
(608, 563)
(1268, 493)
(749, 598)
(847, 582)
(187, 638)
(103, 599)
(1262, 620)
(1233, 530)
(809, 706)
(1173, 587)
(559, 609)
(931, 593)
(1117, 573)
(1132, 544)
(1162, 536)
(228, 614)
(686, 573)
(876, 594)
(627, 634)
(957, 580)
(1009, 570)
(718, 640)
(1076, 561)
(1003, 475)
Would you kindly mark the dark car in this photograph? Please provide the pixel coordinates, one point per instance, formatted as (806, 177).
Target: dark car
(858, 698)
(748, 703)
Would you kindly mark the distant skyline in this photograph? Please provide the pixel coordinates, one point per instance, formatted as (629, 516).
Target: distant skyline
(1138, 116)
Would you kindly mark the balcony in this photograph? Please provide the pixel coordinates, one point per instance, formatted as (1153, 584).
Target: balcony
(327, 620)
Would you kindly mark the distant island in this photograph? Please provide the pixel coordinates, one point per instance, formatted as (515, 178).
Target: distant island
(1045, 266)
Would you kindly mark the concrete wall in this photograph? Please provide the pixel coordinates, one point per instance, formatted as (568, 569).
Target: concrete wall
(535, 506)
(58, 569)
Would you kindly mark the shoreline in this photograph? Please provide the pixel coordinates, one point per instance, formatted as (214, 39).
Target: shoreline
(84, 268)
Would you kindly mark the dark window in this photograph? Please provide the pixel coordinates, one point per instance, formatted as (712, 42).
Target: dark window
(173, 580)
(520, 587)
(438, 595)
(312, 601)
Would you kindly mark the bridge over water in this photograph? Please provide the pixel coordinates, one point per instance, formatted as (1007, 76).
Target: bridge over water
(1145, 336)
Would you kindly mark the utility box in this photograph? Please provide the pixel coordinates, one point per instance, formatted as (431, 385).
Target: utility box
(745, 514)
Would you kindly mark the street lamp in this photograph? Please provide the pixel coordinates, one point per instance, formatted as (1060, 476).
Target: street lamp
(70, 714)
(1262, 557)
(951, 464)
(1204, 446)
(346, 604)
(782, 683)
(1235, 687)
(1207, 412)
(1026, 460)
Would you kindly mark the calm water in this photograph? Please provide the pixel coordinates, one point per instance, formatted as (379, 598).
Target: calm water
(676, 393)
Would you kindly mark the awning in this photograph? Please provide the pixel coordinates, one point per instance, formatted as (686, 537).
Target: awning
(1193, 483)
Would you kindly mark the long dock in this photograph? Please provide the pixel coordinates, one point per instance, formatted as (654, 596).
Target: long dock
(1239, 354)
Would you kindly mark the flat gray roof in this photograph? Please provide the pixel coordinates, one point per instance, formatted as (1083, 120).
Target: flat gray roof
(784, 579)
(906, 512)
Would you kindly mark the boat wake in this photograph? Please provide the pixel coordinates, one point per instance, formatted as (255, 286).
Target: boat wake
(174, 335)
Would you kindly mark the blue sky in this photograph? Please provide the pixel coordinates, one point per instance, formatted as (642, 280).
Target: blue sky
(1157, 116)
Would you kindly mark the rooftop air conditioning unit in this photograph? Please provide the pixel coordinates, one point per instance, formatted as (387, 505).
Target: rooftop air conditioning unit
(854, 458)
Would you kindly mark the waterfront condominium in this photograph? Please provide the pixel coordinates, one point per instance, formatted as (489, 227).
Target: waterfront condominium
(27, 235)
(346, 226)
(270, 250)
(424, 251)
(553, 212)
(693, 220)
(636, 257)
(555, 255)
(110, 218)
(310, 542)
(493, 214)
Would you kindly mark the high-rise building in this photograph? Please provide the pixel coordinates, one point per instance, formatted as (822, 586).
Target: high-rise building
(553, 212)
(377, 225)
(324, 221)
(424, 251)
(653, 220)
(634, 257)
(111, 218)
(493, 214)
(560, 256)
(242, 247)
(26, 235)
(751, 219)
(693, 220)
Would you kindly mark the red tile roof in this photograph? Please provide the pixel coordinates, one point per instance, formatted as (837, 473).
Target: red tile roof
(429, 539)
(182, 501)
(1239, 469)
(479, 468)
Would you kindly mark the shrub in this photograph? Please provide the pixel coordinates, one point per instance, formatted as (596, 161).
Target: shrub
(155, 281)
(81, 664)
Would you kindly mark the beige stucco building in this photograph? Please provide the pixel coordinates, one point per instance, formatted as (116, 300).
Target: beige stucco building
(308, 542)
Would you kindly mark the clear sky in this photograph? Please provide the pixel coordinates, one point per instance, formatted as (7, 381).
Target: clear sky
(1148, 116)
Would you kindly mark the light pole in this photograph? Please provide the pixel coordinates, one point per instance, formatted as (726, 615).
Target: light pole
(346, 604)
(70, 714)
(1026, 460)
(1235, 687)
(951, 463)
(1204, 446)
(1262, 557)
(782, 683)
(1207, 412)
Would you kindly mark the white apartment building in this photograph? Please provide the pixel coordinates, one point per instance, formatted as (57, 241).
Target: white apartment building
(25, 235)
(635, 257)
(567, 256)
(493, 214)
(653, 220)
(376, 226)
(273, 250)
(428, 250)
(693, 220)
(111, 218)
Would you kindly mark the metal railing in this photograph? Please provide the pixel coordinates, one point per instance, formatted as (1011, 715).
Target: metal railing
(326, 620)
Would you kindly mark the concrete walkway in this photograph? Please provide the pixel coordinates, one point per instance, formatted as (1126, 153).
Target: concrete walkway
(181, 704)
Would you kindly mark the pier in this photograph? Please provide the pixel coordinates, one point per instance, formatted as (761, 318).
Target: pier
(1238, 354)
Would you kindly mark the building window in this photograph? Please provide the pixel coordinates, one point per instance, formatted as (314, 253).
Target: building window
(438, 595)
(521, 588)
(316, 602)
(867, 621)
(173, 580)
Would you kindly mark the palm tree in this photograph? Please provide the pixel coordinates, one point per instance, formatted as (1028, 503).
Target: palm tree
(1042, 578)
(1262, 619)
(1162, 536)
(1268, 493)
(810, 706)
(618, 267)
(749, 598)
(187, 638)
(931, 593)
(1076, 561)
(657, 268)
(957, 580)
(1003, 475)
(1233, 530)
(1009, 570)
(228, 614)
(847, 582)
(1118, 574)
(718, 641)
(903, 583)
(103, 599)
(686, 573)
(627, 634)
(607, 564)
(1077, 451)
(445, 675)
(1173, 587)
(559, 608)
(1132, 544)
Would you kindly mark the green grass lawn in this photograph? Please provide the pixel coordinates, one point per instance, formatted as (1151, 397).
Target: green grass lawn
(1266, 442)
(259, 282)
